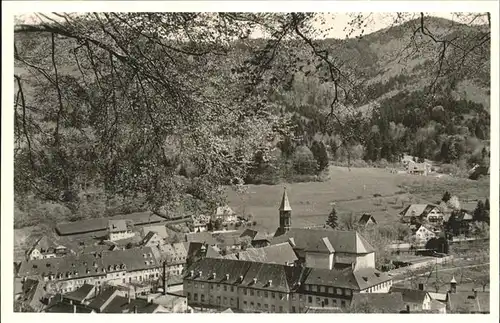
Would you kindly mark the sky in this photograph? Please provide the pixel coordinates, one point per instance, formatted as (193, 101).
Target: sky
(335, 22)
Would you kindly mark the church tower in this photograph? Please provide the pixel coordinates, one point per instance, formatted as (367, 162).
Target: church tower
(285, 214)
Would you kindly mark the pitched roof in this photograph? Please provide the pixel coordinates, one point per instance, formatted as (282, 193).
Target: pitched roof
(121, 304)
(249, 233)
(83, 264)
(379, 302)
(255, 275)
(62, 307)
(44, 243)
(410, 295)
(442, 297)
(365, 218)
(347, 278)
(224, 210)
(338, 241)
(102, 298)
(212, 252)
(281, 253)
(465, 302)
(33, 292)
(81, 293)
(227, 310)
(319, 310)
(417, 210)
(118, 225)
(161, 230)
(285, 203)
(202, 237)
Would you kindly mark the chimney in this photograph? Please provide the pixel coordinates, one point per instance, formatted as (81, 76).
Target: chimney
(241, 278)
(214, 275)
(269, 282)
(227, 276)
(453, 285)
(421, 286)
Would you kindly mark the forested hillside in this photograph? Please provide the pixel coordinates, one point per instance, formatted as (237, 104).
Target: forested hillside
(111, 119)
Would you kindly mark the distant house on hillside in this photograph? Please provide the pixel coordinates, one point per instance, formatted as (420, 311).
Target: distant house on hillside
(258, 239)
(418, 168)
(45, 248)
(428, 212)
(161, 230)
(459, 221)
(120, 229)
(226, 214)
(366, 220)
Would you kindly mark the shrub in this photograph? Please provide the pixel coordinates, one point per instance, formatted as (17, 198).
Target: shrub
(377, 195)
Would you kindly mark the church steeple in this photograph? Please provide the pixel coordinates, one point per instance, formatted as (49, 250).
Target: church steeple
(285, 213)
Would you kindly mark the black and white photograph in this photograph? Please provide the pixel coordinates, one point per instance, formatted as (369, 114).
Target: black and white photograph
(288, 161)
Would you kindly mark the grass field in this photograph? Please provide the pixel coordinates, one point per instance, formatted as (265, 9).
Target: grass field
(352, 191)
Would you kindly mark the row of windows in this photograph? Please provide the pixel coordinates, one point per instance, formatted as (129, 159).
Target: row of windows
(325, 302)
(329, 290)
(264, 307)
(378, 287)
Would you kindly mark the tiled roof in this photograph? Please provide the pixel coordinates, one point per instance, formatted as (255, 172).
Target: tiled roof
(379, 302)
(81, 293)
(102, 298)
(347, 278)
(417, 210)
(465, 302)
(212, 252)
(255, 275)
(62, 307)
(249, 233)
(410, 295)
(121, 304)
(442, 297)
(83, 265)
(312, 240)
(202, 237)
(278, 254)
(118, 225)
(161, 230)
(33, 292)
(174, 253)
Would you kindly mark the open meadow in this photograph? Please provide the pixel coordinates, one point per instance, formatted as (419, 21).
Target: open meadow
(357, 190)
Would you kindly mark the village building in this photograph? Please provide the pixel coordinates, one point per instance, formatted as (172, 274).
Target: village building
(473, 302)
(259, 287)
(160, 230)
(120, 229)
(428, 212)
(258, 239)
(378, 303)
(68, 273)
(459, 222)
(367, 220)
(226, 214)
(171, 302)
(45, 248)
(152, 239)
(423, 234)
(175, 256)
(416, 300)
(415, 168)
(282, 254)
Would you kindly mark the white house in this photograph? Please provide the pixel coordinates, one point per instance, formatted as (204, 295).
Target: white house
(428, 212)
(423, 234)
(120, 229)
(226, 214)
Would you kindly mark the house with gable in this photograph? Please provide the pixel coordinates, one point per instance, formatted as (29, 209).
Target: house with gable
(44, 248)
(428, 212)
(120, 229)
(367, 220)
(152, 239)
(423, 234)
(416, 300)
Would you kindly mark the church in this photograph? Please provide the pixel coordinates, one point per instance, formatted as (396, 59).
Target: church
(323, 248)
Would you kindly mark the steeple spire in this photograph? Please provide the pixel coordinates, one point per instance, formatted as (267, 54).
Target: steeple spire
(285, 204)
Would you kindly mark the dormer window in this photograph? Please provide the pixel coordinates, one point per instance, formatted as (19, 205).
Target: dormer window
(377, 274)
(255, 281)
(227, 276)
(35, 266)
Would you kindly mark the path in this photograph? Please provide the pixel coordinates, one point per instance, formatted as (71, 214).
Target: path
(441, 270)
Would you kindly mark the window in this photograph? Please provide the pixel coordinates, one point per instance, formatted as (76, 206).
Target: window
(251, 304)
(244, 291)
(232, 288)
(195, 296)
(318, 301)
(334, 302)
(218, 286)
(225, 300)
(211, 286)
(202, 286)
(309, 299)
(251, 292)
(231, 301)
(306, 287)
(273, 295)
(301, 297)
(258, 305)
(323, 289)
(339, 291)
(293, 309)
(218, 300)
(313, 288)
(281, 309)
(330, 290)
(202, 297)
(195, 285)
(225, 288)
(258, 293)
(273, 308)
(326, 301)
(294, 297)
(245, 303)
(348, 292)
